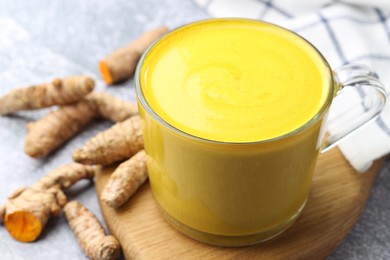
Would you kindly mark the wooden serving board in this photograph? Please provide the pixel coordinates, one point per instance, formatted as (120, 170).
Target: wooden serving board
(337, 198)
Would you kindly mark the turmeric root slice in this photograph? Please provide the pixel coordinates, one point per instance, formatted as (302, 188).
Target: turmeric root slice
(125, 180)
(51, 131)
(58, 92)
(117, 143)
(112, 108)
(120, 65)
(28, 212)
(90, 233)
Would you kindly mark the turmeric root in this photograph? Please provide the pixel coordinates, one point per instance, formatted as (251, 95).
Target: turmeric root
(65, 176)
(29, 208)
(118, 143)
(112, 108)
(58, 92)
(90, 233)
(120, 65)
(48, 133)
(125, 180)
(51, 131)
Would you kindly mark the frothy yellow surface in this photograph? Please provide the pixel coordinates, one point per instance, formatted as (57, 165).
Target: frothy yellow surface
(234, 81)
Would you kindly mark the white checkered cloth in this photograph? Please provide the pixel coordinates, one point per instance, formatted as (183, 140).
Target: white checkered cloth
(349, 31)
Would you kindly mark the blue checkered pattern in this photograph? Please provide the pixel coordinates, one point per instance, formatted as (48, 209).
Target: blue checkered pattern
(349, 31)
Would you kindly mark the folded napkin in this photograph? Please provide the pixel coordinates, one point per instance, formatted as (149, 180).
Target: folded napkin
(349, 31)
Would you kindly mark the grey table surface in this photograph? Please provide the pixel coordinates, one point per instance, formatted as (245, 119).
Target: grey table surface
(43, 39)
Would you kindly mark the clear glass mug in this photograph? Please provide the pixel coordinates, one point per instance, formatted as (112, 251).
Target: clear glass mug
(195, 181)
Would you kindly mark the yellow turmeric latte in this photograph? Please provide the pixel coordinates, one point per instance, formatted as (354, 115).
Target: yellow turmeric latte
(235, 81)
(237, 88)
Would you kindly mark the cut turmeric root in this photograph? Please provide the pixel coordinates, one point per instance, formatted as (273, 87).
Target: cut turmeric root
(118, 143)
(29, 208)
(125, 180)
(48, 133)
(120, 65)
(58, 92)
(90, 233)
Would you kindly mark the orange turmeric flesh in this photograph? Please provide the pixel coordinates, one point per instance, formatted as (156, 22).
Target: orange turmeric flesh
(23, 226)
(105, 72)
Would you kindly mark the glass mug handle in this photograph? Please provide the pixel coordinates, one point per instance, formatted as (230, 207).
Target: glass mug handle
(374, 99)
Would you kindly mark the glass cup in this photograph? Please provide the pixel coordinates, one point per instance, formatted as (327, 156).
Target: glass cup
(242, 193)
